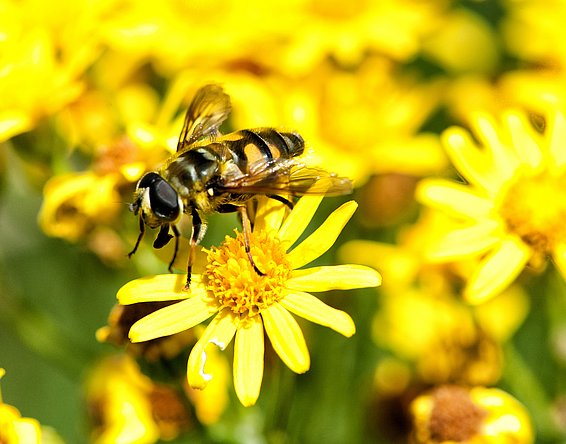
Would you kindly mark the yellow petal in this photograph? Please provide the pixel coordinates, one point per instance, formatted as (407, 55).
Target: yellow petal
(526, 141)
(465, 242)
(298, 220)
(286, 337)
(162, 287)
(133, 171)
(504, 159)
(556, 131)
(219, 333)
(506, 419)
(248, 360)
(323, 238)
(269, 214)
(334, 277)
(13, 122)
(172, 319)
(497, 270)
(468, 159)
(456, 199)
(313, 309)
(27, 430)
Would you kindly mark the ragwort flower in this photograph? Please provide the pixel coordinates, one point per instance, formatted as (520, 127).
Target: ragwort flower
(366, 121)
(128, 407)
(430, 333)
(13, 428)
(75, 203)
(533, 31)
(512, 210)
(44, 51)
(453, 414)
(245, 303)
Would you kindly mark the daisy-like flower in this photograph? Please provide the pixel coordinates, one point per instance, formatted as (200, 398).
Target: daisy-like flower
(453, 414)
(245, 304)
(512, 209)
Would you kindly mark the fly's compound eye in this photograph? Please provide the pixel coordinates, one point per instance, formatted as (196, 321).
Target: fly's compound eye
(163, 199)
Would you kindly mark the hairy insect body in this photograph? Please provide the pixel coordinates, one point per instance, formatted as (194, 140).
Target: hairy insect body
(199, 175)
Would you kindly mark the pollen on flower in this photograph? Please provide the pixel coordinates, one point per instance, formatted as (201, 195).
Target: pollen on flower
(535, 210)
(233, 281)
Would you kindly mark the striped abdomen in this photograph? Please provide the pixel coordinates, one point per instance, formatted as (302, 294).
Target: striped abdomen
(250, 146)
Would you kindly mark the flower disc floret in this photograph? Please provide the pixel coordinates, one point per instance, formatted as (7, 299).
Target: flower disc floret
(535, 210)
(234, 283)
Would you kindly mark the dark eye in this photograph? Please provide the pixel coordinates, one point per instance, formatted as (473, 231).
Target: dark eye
(148, 179)
(162, 197)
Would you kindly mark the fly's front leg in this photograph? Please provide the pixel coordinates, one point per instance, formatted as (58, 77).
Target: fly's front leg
(246, 225)
(140, 237)
(199, 229)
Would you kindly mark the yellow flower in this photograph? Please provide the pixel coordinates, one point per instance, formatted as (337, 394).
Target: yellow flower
(423, 322)
(463, 32)
(118, 397)
(178, 35)
(245, 303)
(533, 30)
(129, 407)
(366, 121)
(403, 264)
(13, 428)
(348, 32)
(44, 50)
(512, 210)
(439, 336)
(535, 90)
(479, 415)
(122, 317)
(75, 203)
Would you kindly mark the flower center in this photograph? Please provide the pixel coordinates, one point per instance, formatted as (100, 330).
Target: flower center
(233, 281)
(454, 416)
(535, 210)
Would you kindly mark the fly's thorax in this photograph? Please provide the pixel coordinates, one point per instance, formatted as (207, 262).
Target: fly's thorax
(192, 172)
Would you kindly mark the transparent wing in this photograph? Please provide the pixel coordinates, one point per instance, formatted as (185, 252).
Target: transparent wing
(209, 108)
(286, 176)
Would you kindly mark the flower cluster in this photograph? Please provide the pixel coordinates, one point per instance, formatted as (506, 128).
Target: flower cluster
(449, 119)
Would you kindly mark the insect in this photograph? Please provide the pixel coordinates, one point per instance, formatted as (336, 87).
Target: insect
(211, 172)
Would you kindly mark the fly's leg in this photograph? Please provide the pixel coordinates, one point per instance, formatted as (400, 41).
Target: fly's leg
(281, 199)
(199, 229)
(247, 232)
(176, 250)
(140, 237)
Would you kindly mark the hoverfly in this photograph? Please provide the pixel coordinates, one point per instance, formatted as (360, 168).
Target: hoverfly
(211, 173)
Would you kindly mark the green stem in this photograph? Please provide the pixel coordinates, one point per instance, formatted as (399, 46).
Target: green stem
(521, 380)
